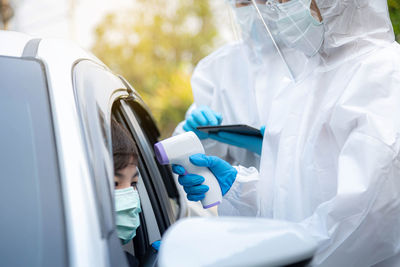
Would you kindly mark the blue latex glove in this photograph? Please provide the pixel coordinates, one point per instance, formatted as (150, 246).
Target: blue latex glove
(156, 245)
(192, 183)
(202, 116)
(251, 143)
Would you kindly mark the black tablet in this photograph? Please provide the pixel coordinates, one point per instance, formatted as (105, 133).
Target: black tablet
(233, 128)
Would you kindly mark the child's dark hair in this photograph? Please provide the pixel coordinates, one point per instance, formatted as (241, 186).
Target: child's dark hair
(124, 148)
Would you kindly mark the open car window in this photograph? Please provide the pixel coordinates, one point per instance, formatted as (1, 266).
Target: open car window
(151, 133)
(146, 122)
(151, 217)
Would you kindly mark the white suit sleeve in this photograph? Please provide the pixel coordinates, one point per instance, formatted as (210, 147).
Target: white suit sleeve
(179, 129)
(241, 199)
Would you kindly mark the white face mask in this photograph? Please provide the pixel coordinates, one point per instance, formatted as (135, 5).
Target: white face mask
(298, 29)
(127, 207)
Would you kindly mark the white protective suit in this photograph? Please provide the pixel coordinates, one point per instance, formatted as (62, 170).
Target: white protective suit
(330, 157)
(330, 154)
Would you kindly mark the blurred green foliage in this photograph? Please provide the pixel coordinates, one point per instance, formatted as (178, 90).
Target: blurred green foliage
(155, 47)
(394, 9)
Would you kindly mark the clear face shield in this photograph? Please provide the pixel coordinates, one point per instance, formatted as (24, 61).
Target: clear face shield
(292, 28)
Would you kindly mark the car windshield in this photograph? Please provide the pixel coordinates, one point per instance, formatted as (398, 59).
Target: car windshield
(31, 220)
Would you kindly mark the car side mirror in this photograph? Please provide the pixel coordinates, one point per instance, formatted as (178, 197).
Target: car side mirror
(235, 241)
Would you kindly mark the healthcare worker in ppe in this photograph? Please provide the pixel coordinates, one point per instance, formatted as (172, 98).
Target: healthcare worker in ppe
(330, 155)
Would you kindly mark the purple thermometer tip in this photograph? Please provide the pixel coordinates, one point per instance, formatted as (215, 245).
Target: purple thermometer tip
(161, 155)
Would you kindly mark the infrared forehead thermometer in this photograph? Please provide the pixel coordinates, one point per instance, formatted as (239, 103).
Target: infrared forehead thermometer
(177, 150)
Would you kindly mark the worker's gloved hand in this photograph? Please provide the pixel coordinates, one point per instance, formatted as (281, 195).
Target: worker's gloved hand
(252, 143)
(192, 183)
(202, 116)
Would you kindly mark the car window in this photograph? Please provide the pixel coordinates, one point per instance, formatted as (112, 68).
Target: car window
(146, 124)
(168, 212)
(152, 215)
(30, 194)
(150, 131)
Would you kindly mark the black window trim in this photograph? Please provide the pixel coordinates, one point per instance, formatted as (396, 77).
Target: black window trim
(159, 194)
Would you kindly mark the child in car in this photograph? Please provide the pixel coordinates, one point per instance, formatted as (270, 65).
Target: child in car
(127, 201)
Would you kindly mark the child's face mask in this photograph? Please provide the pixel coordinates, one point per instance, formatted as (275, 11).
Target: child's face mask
(127, 207)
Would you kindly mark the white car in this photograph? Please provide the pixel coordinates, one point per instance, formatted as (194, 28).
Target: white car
(56, 103)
